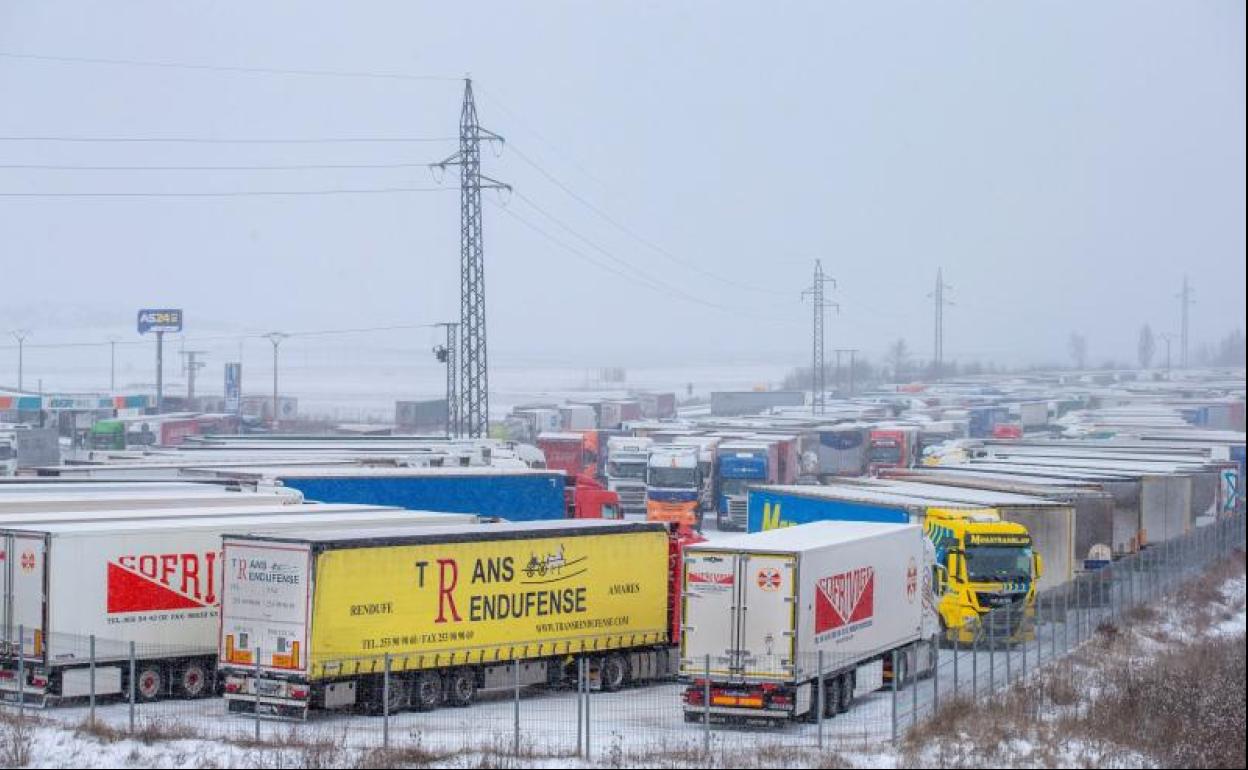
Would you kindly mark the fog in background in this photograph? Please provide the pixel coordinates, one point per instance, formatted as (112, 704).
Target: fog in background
(1065, 162)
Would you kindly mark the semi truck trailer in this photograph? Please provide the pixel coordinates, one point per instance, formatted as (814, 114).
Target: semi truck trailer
(454, 610)
(961, 534)
(153, 582)
(770, 617)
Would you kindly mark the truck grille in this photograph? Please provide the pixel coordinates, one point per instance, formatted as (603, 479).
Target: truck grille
(1006, 613)
(738, 512)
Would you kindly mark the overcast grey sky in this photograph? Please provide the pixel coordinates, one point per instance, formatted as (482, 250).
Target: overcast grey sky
(1065, 162)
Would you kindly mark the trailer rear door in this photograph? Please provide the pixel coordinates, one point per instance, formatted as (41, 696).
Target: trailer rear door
(23, 573)
(265, 599)
(739, 611)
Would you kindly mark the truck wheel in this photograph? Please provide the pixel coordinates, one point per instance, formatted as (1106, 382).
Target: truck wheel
(149, 682)
(847, 693)
(613, 672)
(428, 691)
(831, 697)
(461, 687)
(193, 679)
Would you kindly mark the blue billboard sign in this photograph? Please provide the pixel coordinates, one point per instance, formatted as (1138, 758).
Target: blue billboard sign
(160, 320)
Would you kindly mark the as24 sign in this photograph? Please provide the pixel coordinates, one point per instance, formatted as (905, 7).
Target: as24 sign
(160, 320)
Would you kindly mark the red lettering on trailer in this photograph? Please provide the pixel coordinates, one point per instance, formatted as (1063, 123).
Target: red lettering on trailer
(844, 599)
(444, 589)
(167, 581)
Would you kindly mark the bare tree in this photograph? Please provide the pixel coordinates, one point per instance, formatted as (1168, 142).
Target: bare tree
(1148, 346)
(1078, 347)
(899, 357)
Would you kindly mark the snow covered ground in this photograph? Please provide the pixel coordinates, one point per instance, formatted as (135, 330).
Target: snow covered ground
(643, 726)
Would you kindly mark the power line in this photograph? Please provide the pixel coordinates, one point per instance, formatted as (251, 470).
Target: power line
(231, 337)
(228, 68)
(281, 167)
(228, 194)
(635, 276)
(230, 140)
(636, 236)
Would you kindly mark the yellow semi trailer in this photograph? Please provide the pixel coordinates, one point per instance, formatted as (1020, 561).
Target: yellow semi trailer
(448, 609)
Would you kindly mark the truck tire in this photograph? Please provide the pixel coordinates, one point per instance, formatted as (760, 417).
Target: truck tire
(427, 693)
(461, 687)
(613, 672)
(847, 693)
(193, 679)
(831, 697)
(149, 682)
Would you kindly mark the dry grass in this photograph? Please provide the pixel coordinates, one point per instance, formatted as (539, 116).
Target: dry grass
(16, 740)
(1109, 703)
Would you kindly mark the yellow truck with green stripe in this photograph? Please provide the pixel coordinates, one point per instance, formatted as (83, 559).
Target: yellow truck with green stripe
(989, 573)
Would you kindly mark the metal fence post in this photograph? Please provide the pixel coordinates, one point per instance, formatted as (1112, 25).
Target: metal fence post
(1052, 627)
(913, 682)
(992, 652)
(955, 664)
(1024, 671)
(1009, 644)
(256, 704)
(132, 685)
(580, 706)
(515, 710)
(706, 706)
(975, 639)
(21, 669)
(385, 703)
(92, 650)
(935, 680)
(819, 696)
(895, 671)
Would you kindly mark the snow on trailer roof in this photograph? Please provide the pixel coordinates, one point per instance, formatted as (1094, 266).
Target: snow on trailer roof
(359, 471)
(560, 436)
(189, 462)
(242, 521)
(1058, 483)
(1052, 471)
(1118, 466)
(19, 519)
(859, 495)
(96, 487)
(530, 530)
(986, 498)
(802, 537)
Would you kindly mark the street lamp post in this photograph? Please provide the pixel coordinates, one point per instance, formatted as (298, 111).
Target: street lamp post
(276, 338)
(20, 335)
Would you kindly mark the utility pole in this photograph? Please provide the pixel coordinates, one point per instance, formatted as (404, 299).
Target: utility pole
(1167, 337)
(276, 338)
(191, 365)
(160, 372)
(474, 412)
(938, 347)
(447, 355)
(1186, 301)
(112, 367)
(818, 371)
(20, 335)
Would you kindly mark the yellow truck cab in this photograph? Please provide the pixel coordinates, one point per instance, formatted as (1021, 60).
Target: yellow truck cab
(984, 564)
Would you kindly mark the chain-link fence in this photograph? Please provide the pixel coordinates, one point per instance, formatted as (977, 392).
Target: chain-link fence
(582, 705)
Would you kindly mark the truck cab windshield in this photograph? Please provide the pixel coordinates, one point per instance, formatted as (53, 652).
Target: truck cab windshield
(991, 564)
(673, 477)
(885, 454)
(626, 470)
(733, 487)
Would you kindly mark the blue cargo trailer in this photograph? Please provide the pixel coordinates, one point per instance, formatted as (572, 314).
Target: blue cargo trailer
(771, 507)
(515, 494)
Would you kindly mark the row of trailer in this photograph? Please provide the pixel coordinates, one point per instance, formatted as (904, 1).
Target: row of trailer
(188, 590)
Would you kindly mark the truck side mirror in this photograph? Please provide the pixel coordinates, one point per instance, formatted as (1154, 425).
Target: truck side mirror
(1039, 566)
(951, 567)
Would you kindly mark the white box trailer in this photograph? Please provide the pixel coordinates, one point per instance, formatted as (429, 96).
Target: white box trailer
(101, 501)
(763, 612)
(151, 582)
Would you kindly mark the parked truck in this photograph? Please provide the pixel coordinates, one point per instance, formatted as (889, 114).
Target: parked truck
(741, 463)
(956, 533)
(457, 611)
(770, 617)
(707, 447)
(673, 485)
(893, 447)
(152, 581)
(627, 461)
